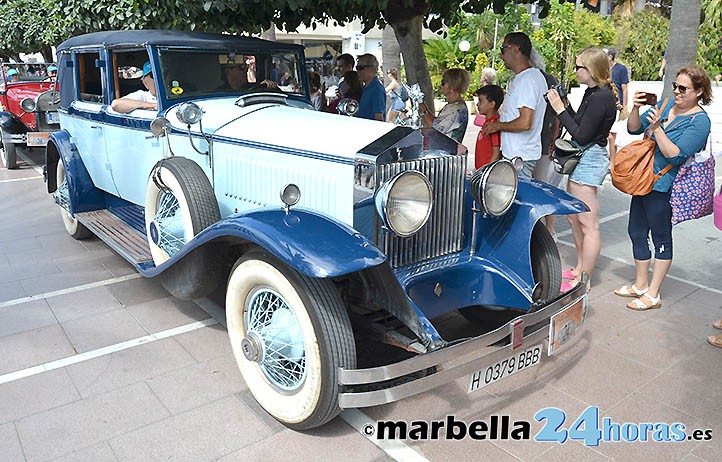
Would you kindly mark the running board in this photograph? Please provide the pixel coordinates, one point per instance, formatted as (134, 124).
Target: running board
(125, 239)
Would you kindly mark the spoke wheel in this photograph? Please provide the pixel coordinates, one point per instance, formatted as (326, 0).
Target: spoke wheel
(179, 203)
(289, 334)
(76, 229)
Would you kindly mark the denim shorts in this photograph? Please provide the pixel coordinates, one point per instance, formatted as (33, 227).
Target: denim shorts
(592, 167)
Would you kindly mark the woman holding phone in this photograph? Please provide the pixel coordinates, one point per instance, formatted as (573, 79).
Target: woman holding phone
(680, 128)
(589, 127)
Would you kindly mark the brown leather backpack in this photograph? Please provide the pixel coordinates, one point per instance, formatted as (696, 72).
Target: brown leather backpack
(633, 166)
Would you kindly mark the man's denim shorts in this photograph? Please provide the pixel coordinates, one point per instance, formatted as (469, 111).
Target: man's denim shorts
(592, 167)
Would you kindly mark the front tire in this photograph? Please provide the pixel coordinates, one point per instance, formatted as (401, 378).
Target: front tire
(10, 158)
(76, 229)
(289, 334)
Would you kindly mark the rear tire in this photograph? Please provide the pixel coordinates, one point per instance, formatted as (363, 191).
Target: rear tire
(76, 229)
(10, 158)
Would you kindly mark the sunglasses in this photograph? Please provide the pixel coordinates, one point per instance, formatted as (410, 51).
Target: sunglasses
(504, 47)
(576, 68)
(681, 88)
(362, 67)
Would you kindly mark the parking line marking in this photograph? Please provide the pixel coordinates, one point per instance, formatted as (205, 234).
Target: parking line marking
(57, 364)
(671, 276)
(55, 293)
(611, 217)
(21, 179)
(396, 449)
(35, 166)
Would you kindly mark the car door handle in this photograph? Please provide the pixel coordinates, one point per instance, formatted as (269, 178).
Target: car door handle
(96, 126)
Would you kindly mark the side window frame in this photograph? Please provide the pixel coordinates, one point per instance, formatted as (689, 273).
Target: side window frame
(87, 66)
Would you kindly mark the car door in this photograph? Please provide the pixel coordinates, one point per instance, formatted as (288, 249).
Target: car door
(132, 150)
(85, 118)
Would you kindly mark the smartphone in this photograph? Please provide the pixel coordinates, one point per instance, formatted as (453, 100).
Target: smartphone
(650, 98)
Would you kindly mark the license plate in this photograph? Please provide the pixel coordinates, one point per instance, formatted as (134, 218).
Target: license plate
(37, 138)
(565, 324)
(52, 117)
(506, 367)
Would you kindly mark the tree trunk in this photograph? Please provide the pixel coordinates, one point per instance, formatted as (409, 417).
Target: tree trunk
(391, 51)
(639, 5)
(408, 33)
(682, 44)
(47, 53)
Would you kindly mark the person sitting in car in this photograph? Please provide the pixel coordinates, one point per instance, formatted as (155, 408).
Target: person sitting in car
(235, 75)
(13, 75)
(141, 99)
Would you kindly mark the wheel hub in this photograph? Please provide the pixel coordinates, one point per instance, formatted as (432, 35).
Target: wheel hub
(252, 347)
(154, 233)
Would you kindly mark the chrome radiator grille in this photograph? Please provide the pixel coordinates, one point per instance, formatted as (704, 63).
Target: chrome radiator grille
(442, 234)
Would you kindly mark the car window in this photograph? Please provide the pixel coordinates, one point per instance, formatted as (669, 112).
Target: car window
(204, 72)
(91, 83)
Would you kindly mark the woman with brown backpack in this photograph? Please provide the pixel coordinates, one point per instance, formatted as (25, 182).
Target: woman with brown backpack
(680, 130)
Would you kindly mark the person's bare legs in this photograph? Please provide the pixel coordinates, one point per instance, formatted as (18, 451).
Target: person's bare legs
(549, 222)
(641, 270)
(578, 241)
(661, 267)
(391, 116)
(612, 145)
(591, 242)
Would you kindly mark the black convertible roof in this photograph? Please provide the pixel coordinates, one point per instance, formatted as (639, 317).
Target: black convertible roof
(172, 38)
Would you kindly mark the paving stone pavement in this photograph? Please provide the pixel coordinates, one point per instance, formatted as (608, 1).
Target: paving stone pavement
(182, 397)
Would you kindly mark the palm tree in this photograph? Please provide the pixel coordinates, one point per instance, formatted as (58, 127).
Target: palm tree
(391, 51)
(682, 44)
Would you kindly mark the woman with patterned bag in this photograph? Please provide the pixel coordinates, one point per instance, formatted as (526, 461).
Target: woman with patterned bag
(680, 130)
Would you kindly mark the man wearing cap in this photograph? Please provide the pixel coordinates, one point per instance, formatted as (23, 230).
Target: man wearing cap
(141, 99)
(52, 72)
(13, 75)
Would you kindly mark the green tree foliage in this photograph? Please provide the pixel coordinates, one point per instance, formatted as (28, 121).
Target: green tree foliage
(641, 41)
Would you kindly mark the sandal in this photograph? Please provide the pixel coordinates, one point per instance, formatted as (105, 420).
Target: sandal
(717, 324)
(566, 286)
(629, 291)
(715, 340)
(569, 274)
(639, 305)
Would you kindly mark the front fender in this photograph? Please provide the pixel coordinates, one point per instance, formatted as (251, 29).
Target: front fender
(545, 199)
(84, 196)
(311, 243)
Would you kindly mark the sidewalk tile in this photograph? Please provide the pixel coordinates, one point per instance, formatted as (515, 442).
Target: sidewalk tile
(590, 379)
(129, 366)
(209, 342)
(197, 385)
(24, 317)
(34, 394)
(10, 448)
(166, 313)
(447, 450)
(98, 453)
(137, 291)
(101, 330)
(694, 385)
(33, 347)
(11, 291)
(335, 441)
(89, 421)
(61, 281)
(226, 425)
(570, 451)
(77, 305)
(637, 409)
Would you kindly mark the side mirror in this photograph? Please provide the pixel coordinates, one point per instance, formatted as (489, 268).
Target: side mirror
(159, 126)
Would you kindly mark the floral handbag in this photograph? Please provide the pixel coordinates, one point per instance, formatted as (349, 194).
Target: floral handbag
(693, 191)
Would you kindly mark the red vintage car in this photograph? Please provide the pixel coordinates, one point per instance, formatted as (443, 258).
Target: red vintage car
(28, 112)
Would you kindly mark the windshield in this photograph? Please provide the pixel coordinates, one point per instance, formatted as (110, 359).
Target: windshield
(28, 72)
(203, 72)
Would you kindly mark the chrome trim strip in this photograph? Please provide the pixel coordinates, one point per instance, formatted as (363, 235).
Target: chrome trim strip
(454, 360)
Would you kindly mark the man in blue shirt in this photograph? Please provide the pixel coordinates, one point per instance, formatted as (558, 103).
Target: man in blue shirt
(373, 100)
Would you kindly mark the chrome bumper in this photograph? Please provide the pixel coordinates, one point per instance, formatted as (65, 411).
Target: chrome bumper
(450, 362)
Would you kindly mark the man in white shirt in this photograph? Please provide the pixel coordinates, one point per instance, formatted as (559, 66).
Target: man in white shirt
(141, 99)
(521, 117)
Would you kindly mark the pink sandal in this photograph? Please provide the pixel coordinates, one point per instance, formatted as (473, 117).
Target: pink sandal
(569, 274)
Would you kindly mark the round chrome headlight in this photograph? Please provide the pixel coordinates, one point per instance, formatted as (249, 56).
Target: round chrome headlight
(290, 194)
(494, 187)
(347, 106)
(28, 105)
(404, 202)
(189, 113)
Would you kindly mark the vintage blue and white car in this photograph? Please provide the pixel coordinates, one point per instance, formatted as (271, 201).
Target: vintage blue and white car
(328, 231)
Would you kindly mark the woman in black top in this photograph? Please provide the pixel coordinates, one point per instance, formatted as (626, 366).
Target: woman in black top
(589, 127)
